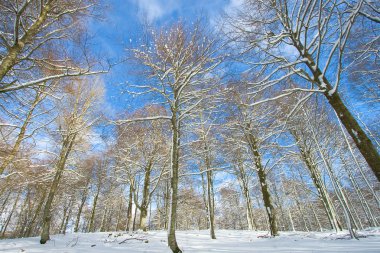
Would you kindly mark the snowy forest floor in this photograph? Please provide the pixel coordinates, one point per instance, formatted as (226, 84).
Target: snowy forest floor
(198, 241)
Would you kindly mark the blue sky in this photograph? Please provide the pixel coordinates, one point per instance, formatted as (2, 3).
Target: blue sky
(121, 27)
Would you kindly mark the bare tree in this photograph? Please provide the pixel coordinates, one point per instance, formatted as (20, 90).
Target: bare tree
(74, 120)
(305, 41)
(31, 30)
(177, 64)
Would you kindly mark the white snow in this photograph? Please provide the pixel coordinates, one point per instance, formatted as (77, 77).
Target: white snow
(198, 241)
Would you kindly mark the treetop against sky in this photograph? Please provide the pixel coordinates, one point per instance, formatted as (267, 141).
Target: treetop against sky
(122, 25)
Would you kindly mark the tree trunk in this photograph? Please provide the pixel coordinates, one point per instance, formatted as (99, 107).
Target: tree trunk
(143, 218)
(91, 228)
(67, 218)
(77, 220)
(210, 201)
(119, 211)
(104, 220)
(29, 231)
(210, 192)
(172, 241)
(248, 201)
(129, 210)
(65, 211)
(82, 202)
(269, 208)
(46, 218)
(145, 198)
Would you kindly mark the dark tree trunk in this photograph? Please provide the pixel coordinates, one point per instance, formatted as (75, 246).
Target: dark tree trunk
(269, 208)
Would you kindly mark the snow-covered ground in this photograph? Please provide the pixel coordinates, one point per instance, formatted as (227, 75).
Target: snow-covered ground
(198, 241)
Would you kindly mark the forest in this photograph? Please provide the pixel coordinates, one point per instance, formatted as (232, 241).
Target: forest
(263, 116)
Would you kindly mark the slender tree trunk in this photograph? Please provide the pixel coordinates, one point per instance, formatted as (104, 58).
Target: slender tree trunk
(145, 198)
(248, 201)
(67, 218)
(311, 165)
(340, 195)
(210, 192)
(82, 202)
(172, 241)
(46, 219)
(10, 215)
(104, 220)
(92, 219)
(32, 222)
(65, 211)
(210, 201)
(316, 218)
(269, 208)
(136, 200)
(166, 204)
(119, 211)
(20, 137)
(5, 202)
(27, 209)
(129, 210)
(77, 220)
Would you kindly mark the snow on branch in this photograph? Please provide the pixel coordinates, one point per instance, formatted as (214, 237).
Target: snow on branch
(125, 121)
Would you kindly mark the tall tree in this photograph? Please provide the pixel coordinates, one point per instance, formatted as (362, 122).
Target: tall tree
(177, 62)
(306, 41)
(76, 117)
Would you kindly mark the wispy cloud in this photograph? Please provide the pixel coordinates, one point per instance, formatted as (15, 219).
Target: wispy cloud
(151, 10)
(233, 6)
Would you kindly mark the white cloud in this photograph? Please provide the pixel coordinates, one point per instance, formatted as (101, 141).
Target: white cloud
(152, 10)
(233, 6)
